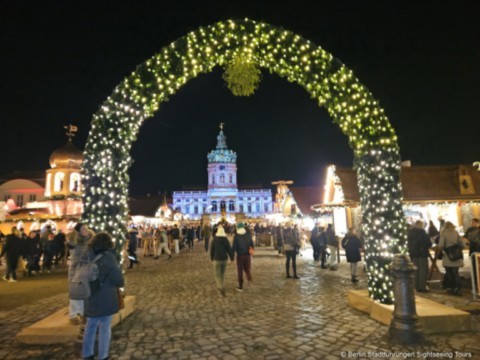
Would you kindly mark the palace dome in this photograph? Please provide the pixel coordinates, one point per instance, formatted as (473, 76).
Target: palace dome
(68, 156)
(222, 154)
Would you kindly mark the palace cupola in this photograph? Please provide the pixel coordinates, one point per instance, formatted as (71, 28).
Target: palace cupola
(222, 177)
(222, 165)
(63, 179)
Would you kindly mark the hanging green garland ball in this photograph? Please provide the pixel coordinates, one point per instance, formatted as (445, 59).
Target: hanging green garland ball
(242, 76)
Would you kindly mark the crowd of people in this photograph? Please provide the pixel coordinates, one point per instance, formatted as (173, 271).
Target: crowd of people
(35, 253)
(44, 249)
(421, 240)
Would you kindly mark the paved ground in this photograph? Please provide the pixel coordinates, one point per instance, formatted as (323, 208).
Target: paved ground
(180, 316)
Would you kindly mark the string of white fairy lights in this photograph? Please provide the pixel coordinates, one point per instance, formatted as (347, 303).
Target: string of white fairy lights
(250, 45)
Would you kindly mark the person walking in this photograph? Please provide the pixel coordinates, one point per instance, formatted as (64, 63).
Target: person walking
(332, 244)
(176, 238)
(206, 235)
(220, 251)
(190, 237)
(418, 244)
(12, 249)
(161, 234)
(291, 245)
(242, 247)
(31, 250)
(103, 303)
(449, 237)
(352, 245)
(49, 249)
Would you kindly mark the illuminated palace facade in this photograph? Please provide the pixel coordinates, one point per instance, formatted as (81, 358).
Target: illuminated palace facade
(223, 195)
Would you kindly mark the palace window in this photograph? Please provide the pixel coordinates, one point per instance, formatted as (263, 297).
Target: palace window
(19, 200)
(195, 210)
(231, 206)
(230, 178)
(33, 197)
(214, 206)
(249, 208)
(241, 208)
(213, 178)
(265, 208)
(222, 178)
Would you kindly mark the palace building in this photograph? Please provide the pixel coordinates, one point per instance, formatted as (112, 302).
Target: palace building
(223, 196)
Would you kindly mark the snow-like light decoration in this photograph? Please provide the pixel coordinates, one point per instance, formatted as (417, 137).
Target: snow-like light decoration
(327, 80)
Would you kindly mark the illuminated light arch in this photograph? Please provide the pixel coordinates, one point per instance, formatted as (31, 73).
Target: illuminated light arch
(351, 106)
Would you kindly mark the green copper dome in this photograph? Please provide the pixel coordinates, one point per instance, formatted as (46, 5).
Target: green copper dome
(221, 154)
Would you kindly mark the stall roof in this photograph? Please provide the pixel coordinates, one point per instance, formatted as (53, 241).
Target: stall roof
(425, 183)
(306, 197)
(145, 205)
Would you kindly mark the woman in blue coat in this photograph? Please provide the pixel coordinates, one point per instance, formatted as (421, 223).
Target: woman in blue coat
(352, 245)
(102, 304)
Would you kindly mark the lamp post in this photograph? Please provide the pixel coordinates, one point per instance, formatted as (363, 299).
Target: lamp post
(405, 326)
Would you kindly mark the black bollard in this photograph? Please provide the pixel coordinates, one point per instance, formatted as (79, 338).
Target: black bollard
(405, 326)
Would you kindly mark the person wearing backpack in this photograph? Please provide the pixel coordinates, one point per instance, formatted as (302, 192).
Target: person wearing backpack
(103, 303)
(77, 243)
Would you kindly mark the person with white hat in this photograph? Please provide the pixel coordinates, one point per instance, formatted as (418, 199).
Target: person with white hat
(220, 251)
(243, 247)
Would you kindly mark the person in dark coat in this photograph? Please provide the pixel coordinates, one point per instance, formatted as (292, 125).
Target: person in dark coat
(352, 245)
(12, 250)
(132, 247)
(418, 244)
(279, 238)
(32, 249)
(206, 235)
(242, 243)
(220, 251)
(315, 241)
(473, 236)
(332, 245)
(433, 232)
(291, 244)
(190, 237)
(49, 249)
(103, 303)
(60, 246)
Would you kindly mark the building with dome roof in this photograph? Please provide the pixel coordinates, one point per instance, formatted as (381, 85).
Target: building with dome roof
(51, 195)
(63, 181)
(223, 198)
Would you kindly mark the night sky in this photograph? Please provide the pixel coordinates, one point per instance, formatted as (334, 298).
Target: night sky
(59, 60)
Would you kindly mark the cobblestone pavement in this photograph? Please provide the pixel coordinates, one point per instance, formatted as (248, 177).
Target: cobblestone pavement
(180, 316)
